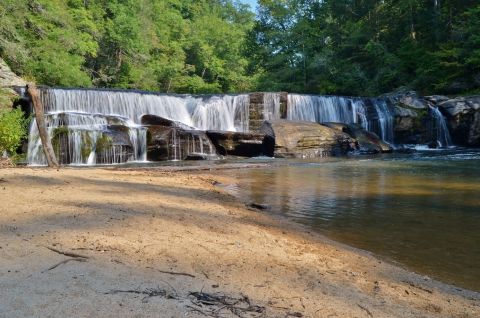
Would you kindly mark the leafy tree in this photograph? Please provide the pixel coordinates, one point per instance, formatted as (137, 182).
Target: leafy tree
(366, 47)
(13, 128)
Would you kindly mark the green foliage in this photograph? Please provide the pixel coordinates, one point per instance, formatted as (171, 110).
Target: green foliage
(367, 47)
(104, 143)
(185, 46)
(13, 128)
(6, 98)
(349, 47)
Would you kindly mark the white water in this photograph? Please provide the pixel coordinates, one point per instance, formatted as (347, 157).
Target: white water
(385, 120)
(271, 106)
(88, 113)
(323, 109)
(440, 129)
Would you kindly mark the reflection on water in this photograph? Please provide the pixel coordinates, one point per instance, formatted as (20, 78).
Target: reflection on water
(422, 209)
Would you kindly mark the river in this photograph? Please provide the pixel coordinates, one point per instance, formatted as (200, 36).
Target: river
(420, 210)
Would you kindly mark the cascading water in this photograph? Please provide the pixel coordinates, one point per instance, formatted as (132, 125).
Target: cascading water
(438, 129)
(85, 123)
(384, 121)
(322, 109)
(80, 138)
(271, 106)
(101, 126)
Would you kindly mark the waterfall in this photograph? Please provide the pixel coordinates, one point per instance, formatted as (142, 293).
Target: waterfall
(90, 127)
(210, 112)
(80, 138)
(439, 129)
(271, 106)
(384, 120)
(322, 109)
(87, 126)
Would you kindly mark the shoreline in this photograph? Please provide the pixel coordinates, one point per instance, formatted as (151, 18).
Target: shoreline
(313, 235)
(133, 223)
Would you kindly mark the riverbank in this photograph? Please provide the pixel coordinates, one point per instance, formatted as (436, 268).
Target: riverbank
(111, 243)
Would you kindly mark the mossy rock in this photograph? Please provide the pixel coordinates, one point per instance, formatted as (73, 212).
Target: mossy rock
(104, 142)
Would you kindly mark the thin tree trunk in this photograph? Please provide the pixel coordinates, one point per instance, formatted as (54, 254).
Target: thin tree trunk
(42, 128)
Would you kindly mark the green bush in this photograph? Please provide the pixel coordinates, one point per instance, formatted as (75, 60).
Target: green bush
(13, 128)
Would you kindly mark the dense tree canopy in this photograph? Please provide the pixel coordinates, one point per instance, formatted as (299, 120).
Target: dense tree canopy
(354, 47)
(166, 45)
(367, 47)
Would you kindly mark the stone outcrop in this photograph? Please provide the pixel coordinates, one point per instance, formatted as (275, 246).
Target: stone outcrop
(406, 98)
(411, 125)
(170, 140)
(7, 80)
(242, 144)
(463, 114)
(368, 142)
(414, 122)
(257, 106)
(307, 139)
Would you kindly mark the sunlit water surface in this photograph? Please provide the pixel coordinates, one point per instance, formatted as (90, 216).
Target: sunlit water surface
(421, 210)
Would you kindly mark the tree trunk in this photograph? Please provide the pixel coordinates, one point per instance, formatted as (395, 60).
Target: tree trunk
(42, 128)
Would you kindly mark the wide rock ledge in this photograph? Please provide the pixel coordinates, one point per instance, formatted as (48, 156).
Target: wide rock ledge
(297, 139)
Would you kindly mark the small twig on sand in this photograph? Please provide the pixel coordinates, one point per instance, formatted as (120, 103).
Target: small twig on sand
(217, 302)
(149, 292)
(64, 262)
(69, 254)
(366, 310)
(173, 273)
(197, 310)
(419, 287)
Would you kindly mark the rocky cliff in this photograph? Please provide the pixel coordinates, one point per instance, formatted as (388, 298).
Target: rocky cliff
(414, 123)
(7, 80)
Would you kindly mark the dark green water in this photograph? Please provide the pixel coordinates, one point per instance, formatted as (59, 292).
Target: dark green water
(421, 210)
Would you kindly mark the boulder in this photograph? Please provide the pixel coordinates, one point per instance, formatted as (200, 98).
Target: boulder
(8, 78)
(405, 119)
(368, 142)
(295, 139)
(463, 115)
(171, 140)
(454, 107)
(436, 99)
(410, 125)
(408, 99)
(240, 144)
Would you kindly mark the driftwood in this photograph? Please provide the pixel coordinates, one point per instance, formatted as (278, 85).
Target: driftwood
(42, 128)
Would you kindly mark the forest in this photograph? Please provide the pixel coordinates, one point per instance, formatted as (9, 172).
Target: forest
(344, 47)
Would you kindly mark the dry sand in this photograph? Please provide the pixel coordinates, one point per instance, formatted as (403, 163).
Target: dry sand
(134, 226)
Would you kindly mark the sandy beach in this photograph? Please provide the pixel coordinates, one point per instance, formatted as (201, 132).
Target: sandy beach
(156, 243)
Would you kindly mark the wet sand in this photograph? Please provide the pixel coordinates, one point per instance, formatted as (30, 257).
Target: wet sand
(100, 242)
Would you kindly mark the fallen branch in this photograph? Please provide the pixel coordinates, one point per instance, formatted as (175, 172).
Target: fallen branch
(41, 124)
(64, 262)
(69, 254)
